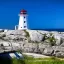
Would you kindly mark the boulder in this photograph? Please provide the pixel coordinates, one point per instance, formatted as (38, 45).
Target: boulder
(35, 36)
(58, 39)
(2, 35)
(48, 51)
(42, 46)
(58, 48)
(59, 54)
(62, 45)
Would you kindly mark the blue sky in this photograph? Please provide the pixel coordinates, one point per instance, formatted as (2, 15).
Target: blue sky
(42, 14)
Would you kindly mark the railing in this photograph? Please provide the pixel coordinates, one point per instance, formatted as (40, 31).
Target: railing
(16, 27)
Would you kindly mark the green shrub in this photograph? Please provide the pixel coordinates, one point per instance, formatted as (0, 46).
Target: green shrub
(51, 39)
(27, 33)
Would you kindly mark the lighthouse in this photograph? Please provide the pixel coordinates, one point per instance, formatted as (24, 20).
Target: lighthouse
(22, 20)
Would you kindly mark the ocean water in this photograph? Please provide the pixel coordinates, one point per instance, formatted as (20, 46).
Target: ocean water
(59, 30)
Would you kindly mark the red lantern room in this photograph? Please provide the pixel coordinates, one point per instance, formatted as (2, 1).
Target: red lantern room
(23, 12)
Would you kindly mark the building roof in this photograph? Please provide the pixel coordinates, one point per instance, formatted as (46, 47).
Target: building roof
(23, 11)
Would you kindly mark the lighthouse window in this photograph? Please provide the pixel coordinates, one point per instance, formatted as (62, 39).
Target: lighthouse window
(24, 26)
(24, 21)
(24, 16)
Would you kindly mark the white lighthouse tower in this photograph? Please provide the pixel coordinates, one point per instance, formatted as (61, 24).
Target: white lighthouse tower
(22, 20)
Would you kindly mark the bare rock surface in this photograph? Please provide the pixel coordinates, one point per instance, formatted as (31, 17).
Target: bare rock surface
(32, 41)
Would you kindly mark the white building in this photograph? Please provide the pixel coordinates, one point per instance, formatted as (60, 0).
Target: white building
(22, 20)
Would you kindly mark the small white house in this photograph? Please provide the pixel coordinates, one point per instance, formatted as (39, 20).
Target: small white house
(22, 20)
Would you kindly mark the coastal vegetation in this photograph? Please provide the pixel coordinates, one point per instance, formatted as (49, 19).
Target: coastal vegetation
(27, 33)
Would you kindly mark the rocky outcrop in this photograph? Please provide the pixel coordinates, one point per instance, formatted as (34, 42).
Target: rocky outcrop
(34, 41)
(36, 36)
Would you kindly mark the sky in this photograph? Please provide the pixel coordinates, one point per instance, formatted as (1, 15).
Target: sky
(42, 14)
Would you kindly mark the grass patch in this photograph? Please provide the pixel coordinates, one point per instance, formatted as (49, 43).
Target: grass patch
(18, 61)
(51, 60)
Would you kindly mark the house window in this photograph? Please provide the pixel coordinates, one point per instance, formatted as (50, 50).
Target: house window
(24, 26)
(24, 21)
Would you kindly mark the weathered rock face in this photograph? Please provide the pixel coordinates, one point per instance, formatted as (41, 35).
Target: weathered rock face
(48, 51)
(34, 41)
(36, 36)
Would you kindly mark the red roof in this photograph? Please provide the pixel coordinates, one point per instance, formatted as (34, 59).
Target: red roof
(23, 10)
